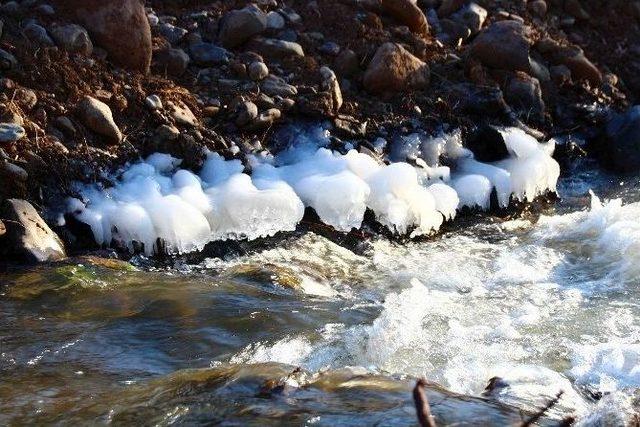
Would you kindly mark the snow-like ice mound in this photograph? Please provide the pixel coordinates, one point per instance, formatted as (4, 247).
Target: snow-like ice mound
(154, 203)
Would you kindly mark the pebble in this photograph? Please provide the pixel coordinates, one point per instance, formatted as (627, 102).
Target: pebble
(37, 34)
(274, 48)
(274, 85)
(275, 21)
(73, 38)
(11, 132)
(245, 112)
(240, 25)
(330, 48)
(209, 54)
(97, 116)
(258, 70)
(153, 102)
(172, 33)
(182, 114)
(172, 61)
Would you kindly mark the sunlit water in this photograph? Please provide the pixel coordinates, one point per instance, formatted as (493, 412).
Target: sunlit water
(548, 305)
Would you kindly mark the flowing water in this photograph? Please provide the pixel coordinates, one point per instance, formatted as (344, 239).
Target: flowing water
(548, 305)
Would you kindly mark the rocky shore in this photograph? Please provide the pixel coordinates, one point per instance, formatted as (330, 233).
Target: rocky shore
(87, 87)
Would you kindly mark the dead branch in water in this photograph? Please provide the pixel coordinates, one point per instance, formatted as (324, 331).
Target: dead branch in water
(535, 417)
(422, 405)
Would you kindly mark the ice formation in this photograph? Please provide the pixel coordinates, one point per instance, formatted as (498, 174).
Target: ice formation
(153, 201)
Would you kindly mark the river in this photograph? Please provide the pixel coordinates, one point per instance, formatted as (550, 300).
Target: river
(546, 304)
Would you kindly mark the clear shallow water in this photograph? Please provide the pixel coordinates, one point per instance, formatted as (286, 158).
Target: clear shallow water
(548, 305)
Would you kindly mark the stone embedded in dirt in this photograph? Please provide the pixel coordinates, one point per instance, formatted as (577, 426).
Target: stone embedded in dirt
(329, 83)
(238, 26)
(25, 98)
(406, 12)
(172, 33)
(523, 93)
(503, 45)
(182, 114)
(346, 63)
(172, 61)
(245, 112)
(11, 132)
(258, 70)
(393, 68)
(120, 27)
(276, 49)
(619, 147)
(37, 34)
(276, 86)
(449, 6)
(97, 116)
(153, 102)
(73, 38)
(275, 21)
(28, 238)
(208, 54)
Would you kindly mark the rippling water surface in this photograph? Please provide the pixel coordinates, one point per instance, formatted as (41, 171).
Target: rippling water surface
(547, 305)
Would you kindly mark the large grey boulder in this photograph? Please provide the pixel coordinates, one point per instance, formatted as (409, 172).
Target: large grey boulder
(27, 238)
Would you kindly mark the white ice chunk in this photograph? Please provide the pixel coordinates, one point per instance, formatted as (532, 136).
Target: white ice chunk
(474, 191)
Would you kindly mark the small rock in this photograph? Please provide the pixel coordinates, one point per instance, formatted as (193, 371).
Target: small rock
(538, 7)
(393, 68)
(275, 21)
(239, 26)
(172, 33)
(37, 34)
(65, 125)
(10, 132)
(276, 86)
(523, 93)
(182, 114)
(45, 9)
(330, 48)
(503, 45)
(349, 127)
(153, 102)
(172, 61)
(273, 48)
(472, 16)
(97, 116)
(406, 12)
(209, 54)
(12, 173)
(166, 133)
(266, 118)
(346, 63)
(7, 60)
(329, 83)
(73, 38)
(26, 98)
(449, 6)
(28, 238)
(245, 113)
(258, 70)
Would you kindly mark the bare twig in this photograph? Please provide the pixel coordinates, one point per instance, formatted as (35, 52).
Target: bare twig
(423, 409)
(535, 417)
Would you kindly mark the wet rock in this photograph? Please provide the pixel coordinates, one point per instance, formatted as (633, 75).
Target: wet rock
(120, 27)
(73, 38)
(409, 14)
(487, 144)
(182, 114)
(7, 60)
(276, 49)
(393, 68)
(172, 61)
(523, 93)
(28, 238)
(258, 70)
(209, 54)
(619, 147)
(239, 26)
(97, 116)
(346, 63)
(245, 113)
(503, 45)
(275, 21)
(153, 102)
(172, 33)
(37, 34)
(11, 132)
(276, 86)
